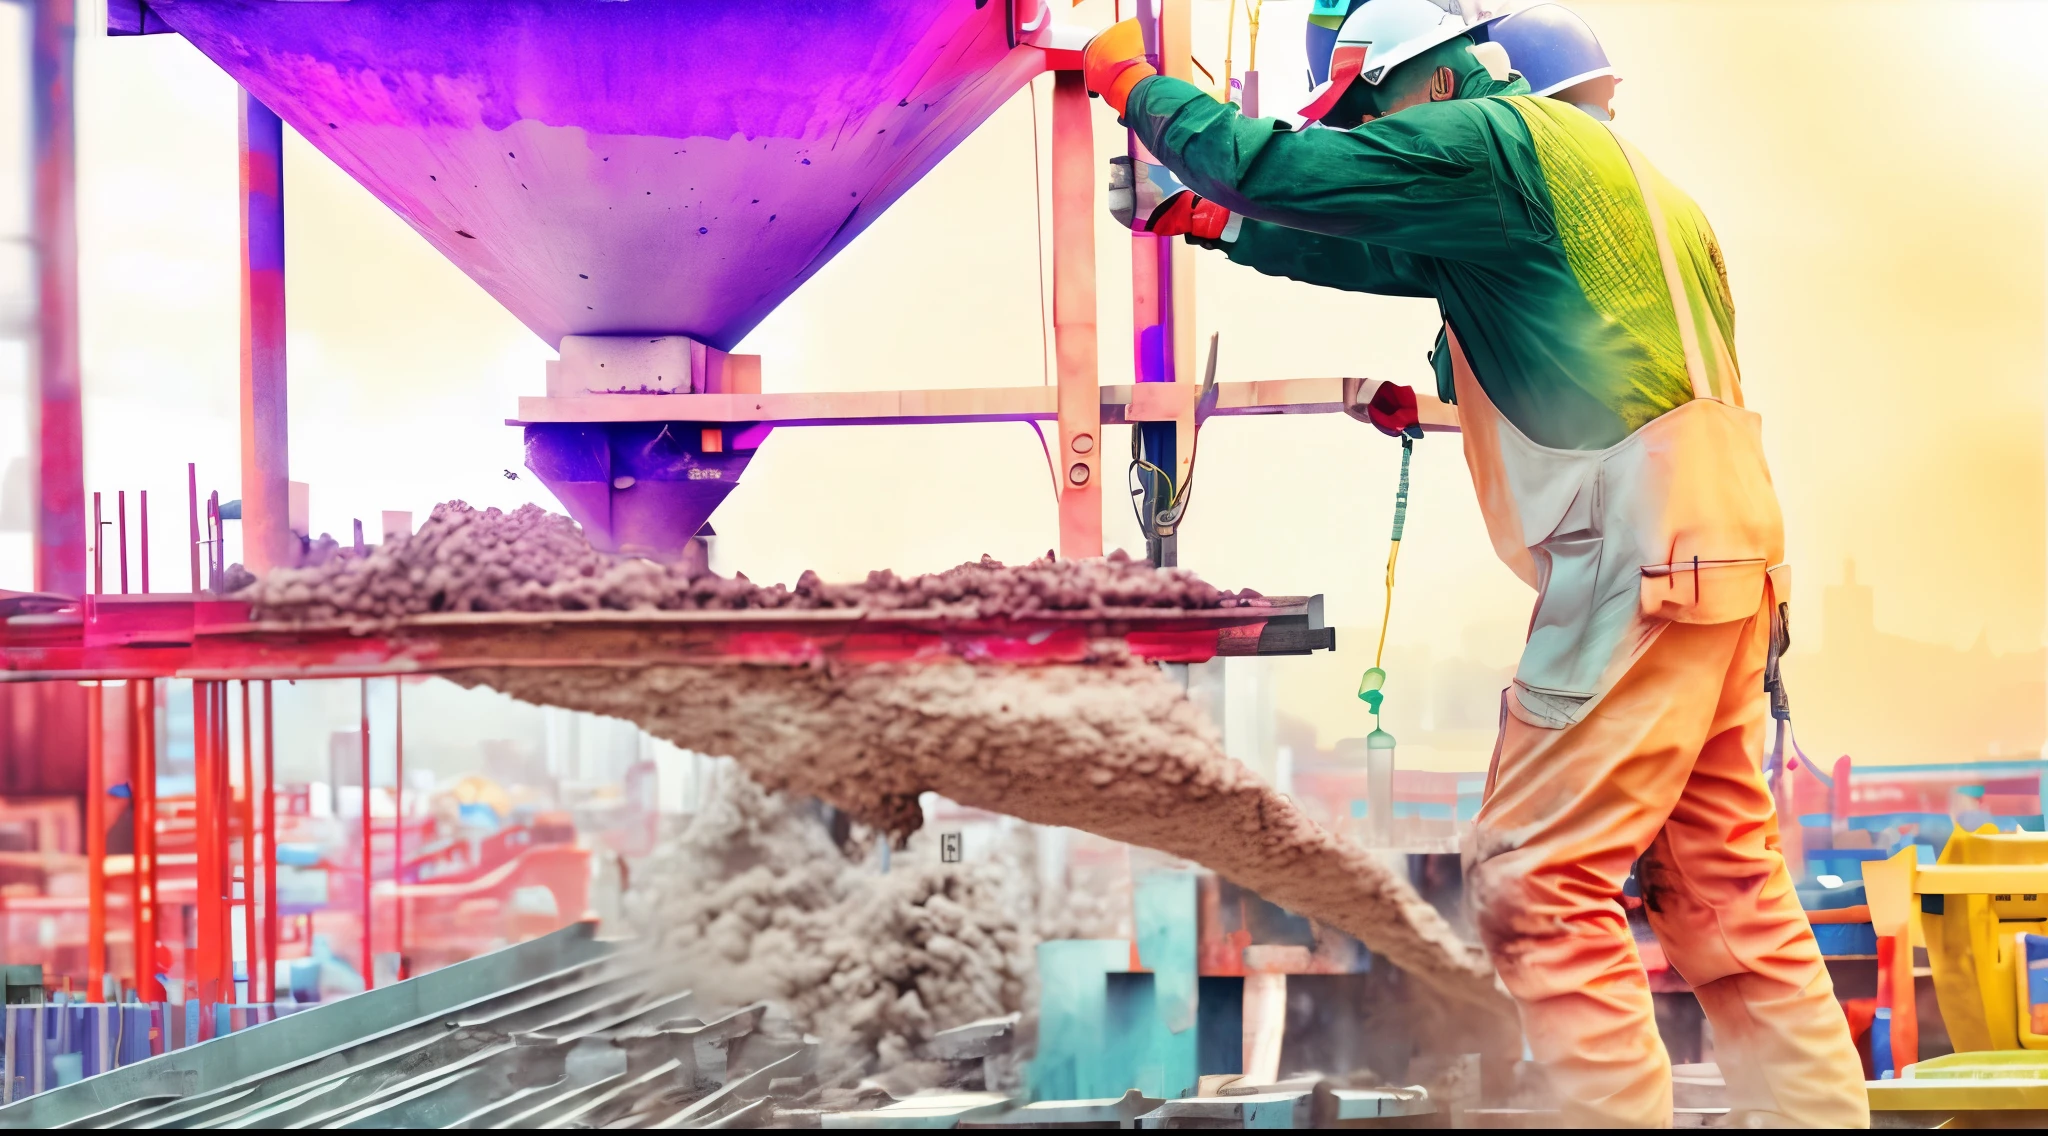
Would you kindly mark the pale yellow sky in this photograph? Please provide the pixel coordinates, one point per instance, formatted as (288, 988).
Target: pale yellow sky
(1874, 170)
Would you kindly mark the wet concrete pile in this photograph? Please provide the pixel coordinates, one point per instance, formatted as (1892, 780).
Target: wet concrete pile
(1110, 745)
(470, 560)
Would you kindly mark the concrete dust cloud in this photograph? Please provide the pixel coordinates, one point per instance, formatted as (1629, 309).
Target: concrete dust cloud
(751, 900)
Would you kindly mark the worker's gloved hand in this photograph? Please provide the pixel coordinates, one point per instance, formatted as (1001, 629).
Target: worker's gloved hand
(1392, 409)
(1114, 62)
(1145, 197)
(1186, 215)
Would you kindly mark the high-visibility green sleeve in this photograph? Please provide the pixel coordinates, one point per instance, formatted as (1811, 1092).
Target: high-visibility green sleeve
(1332, 262)
(1421, 181)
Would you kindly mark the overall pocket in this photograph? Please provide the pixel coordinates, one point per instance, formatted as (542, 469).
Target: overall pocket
(1703, 591)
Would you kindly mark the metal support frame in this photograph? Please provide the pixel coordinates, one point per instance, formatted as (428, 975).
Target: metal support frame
(143, 709)
(205, 962)
(1120, 404)
(398, 826)
(60, 424)
(95, 840)
(1160, 406)
(268, 980)
(1079, 464)
(1163, 310)
(192, 517)
(368, 964)
(266, 522)
(252, 943)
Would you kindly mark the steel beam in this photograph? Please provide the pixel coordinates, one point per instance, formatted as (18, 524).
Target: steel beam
(60, 423)
(368, 962)
(1079, 463)
(251, 941)
(95, 840)
(143, 694)
(268, 988)
(1119, 403)
(204, 962)
(398, 826)
(267, 540)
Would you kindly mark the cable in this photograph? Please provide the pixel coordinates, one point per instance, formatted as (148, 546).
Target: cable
(1394, 551)
(1229, 48)
(1251, 15)
(1146, 524)
(1180, 498)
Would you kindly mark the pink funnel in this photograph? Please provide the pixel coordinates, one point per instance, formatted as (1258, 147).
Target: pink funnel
(665, 166)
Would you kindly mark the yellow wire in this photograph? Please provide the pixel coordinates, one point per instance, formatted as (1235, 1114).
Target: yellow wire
(1252, 17)
(1386, 616)
(1229, 48)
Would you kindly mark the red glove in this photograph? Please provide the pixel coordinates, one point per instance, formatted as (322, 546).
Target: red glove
(1114, 62)
(1185, 214)
(1392, 409)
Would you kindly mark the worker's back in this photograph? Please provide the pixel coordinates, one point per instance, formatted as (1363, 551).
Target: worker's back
(1584, 348)
(1605, 230)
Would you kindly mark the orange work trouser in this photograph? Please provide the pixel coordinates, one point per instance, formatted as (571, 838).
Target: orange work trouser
(1666, 767)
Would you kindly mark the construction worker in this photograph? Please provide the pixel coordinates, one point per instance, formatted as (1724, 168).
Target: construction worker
(1590, 352)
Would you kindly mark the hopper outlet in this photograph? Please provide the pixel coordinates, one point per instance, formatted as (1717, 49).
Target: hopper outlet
(648, 365)
(641, 488)
(612, 169)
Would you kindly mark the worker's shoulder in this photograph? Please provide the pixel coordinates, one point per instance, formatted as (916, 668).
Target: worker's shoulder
(1575, 153)
(1452, 116)
(1552, 125)
(1467, 129)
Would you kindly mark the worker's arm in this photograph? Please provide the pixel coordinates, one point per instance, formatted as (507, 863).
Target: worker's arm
(1332, 262)
(1419, 181)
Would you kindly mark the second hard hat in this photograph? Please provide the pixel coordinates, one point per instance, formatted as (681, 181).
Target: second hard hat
(1551, 46)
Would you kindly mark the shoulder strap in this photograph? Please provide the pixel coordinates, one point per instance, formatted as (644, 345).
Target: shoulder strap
(1688, 330)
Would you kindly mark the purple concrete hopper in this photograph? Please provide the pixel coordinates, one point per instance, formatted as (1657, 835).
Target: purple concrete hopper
(664, 166)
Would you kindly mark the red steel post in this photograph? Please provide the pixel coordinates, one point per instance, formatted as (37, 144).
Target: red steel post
(224, 820)
(147, 986)
(121, 528)
(269, 981)
(1073, 318)
(95, 840)
(142, 528)
(251, 945)
(398, 829)
(205, 968)
(369, 967)
(216, 552)
(1177, 258)
(98, 527)
(266, 485)
(192, 495)
(59, 416)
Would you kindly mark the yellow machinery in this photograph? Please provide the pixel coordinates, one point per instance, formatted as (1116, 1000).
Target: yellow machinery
(1983, 917)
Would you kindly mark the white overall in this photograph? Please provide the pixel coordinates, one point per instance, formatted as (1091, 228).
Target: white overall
(1676, 522)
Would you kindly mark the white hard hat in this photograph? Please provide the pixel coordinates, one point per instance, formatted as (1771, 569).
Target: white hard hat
(1378, 36)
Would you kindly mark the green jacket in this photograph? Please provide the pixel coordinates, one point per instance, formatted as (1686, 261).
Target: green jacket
(1518, 215)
